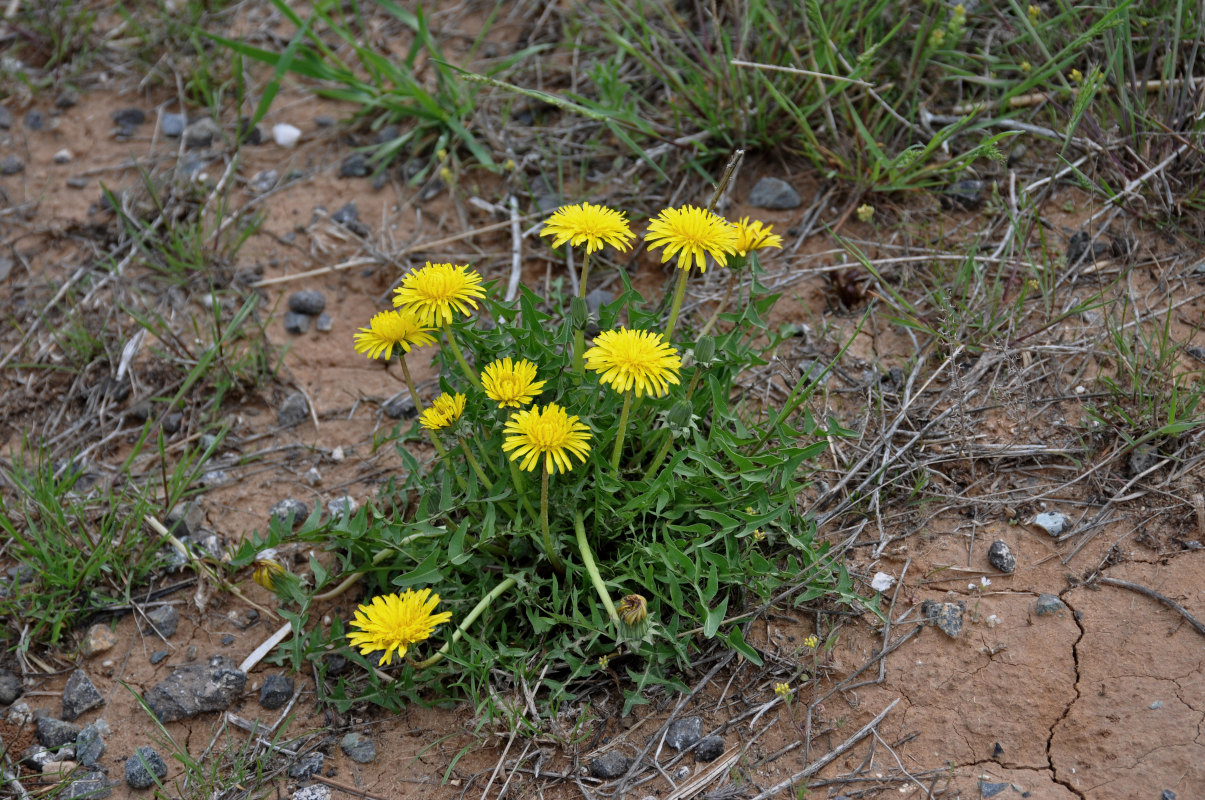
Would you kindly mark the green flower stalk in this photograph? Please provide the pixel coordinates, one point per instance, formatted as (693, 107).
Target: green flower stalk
(583, 547)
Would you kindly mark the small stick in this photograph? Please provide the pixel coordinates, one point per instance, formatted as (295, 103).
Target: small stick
(1198, 502)
(516, 251)
(796, 71)
(1151, 593)
(265, 647)
(1034, 98)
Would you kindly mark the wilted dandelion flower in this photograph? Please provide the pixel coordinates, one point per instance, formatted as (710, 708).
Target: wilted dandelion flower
(550, 433)
(693, 234)
(511, 384)
(444, 410)
(389, 330)
(436, 290)
(267, 568)
(394, 622)
(754, 236)
(633, 609)
(782, 690)
(596, 226)
(639, 360)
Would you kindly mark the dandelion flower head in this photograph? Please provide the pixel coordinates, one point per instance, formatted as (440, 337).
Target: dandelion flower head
(267, 568)
(596, 226)
(633, 609)
(693, 234)
(551, 434)
(444, 410)
(753, 235)
(511, 384)
(434, 292)
(389, 330)
(639, 360)
(394, 622)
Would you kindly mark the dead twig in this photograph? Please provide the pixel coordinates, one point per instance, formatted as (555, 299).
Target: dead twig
(1151, 593)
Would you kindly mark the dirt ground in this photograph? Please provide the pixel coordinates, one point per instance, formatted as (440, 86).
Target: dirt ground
(1102, 699)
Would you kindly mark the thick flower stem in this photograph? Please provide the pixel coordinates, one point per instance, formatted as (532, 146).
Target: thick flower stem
(557, 564)
(669, 440)
(579, 335)
(623, 424)
(591, 568)
(468, 456)
(679, 293)
(464, 365)
(719, 309)
(472, 616)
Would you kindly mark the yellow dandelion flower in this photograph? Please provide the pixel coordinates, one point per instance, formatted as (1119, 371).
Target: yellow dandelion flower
(436, 290)
(782, 690)
(511, 384)
(692, 233)
(753, 236)
(267, 568)
(633, 609)
(394, 622)
(634, 359)
(597, 226)
(551, 433)
(811, 642)
(444, 410)
(389, 330)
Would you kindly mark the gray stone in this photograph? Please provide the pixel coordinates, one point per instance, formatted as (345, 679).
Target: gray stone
(1000, 556)
(946, 617)
(130, 117)
(68, 98)
(774, 193)
(201, 133)
(340, 506)
(355, 166)
(323, 121)
(610, 766)
(1167, 794)
(6, 118)
(347, 214)
(293, 410)
(35, 120)
(79, 695)
(195, 688)
(1052, 522)
(359, 748)
(10, 687)
(89, 786)
(172, 422)
(597, 298)
(89, 746)
(290, 511)
(158, 656)
(989, 789)
(308, 766)
(276, 691)
(264, 181)
(710, 748)
(77, 182)
(54, 733)
(1142, 458)
(324, 323)
(307, 301)
(172, 124)
(317, 791)
(227, 639)
(144, 767)
(11, 165)
(19, 714)
(432, 190)
(36, 755)
(296, 323)
(1048, 604)
(162, 620)
(684, 732)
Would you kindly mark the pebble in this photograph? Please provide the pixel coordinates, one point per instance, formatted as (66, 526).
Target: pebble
(1000, 556)
(1048, 604)
(295, 323)
(354, 166)
(947, 617)
(55, 733)
(323, 121)
(400, 407)
(172, 422)
(162, 620)
(227, 639)
(881, 582)
(195, 688)
(987, 789)
(62, 157)
(79, 695)
(359, 748)
(67, 99)
(290, 511)
(10, 687)
(89, 746)
(130, 117)
(214, 477)
(684, 732)
(341, 506)
(1081, 247)
(309, 766)
(36, 755)
(158, 656)
(1142, 458)
(6, 118)
(1052, 522)
(317, 791)
(19, 714)
(349, 217)
(201, 133)
(324, 323)
(263, 181)
(610, 766)
(276, 691)
(1167, 794)
(185, 519)
(312, 476)
(285, 135)
(307, 301)
(59, 767)
(92, 785)
(77, 182)
(775, 194)
(35, 120)
(965, 195)
(293, 410)
(710, 748)
(11, 165)
(172, 124)
(144, 767)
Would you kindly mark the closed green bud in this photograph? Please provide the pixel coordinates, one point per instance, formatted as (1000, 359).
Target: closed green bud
(579, 315)
(680, 419)
(704, 351)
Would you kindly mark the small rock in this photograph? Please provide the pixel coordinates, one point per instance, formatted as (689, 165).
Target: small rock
(67, 99)
(317, 791)
(214, 478)
(323, 121)
(285, 135)
(172, 124)
(62, 157)
(79, 695)
(59, 767)
(92, 785)
(201, 133)
(1000, 556)
(1052, 522)
(1142, 458)
(309, 766)
(947, 617)
(297, 324)
(347, 214)
(35, 120)
(1084, 247)
(1015, 155)
(162, 620)
(307, 301)
(227, 639)
(965, 195)
(312, 476)
(710, 748)
(6, 118)
(355, 166)
(987, 789)
(343, 506)
(684, 732)
(881, 582)
(597, 298)
(276, 691)
(36, 755)
(997, 750)
(293, 410)
(194, 688)
(610, 766)
(1167, 794)
(400, 407)
(324, 323)
(1048, 604)
(144, 767)
(248, 132)
(263, 181)
(290, 511)
(54, 733)
(774, 193)
(130, 117)
(359, 748)
(1155, 706)
(77, 182)
(158, 656)
(89, 746)
(10, 687)
(190, 168)
(185, 519)
(11, 165)
(19, 714)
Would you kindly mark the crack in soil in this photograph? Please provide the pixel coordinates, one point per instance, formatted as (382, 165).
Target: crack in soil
(1054, 772)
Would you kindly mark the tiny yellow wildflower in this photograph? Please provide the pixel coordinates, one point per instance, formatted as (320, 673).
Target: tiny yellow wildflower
(1034, 13)
(812, 642)
(782, 690)
(865, 212)
(1076, 76)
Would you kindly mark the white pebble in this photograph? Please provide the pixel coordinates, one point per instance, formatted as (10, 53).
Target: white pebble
(62, 157)
(285, 134)
(881, 582)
